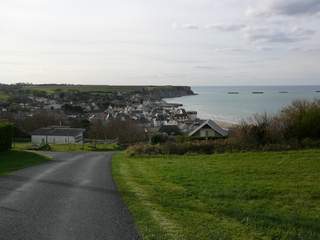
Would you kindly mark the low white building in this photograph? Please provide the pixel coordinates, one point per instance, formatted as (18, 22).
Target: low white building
(57, 135)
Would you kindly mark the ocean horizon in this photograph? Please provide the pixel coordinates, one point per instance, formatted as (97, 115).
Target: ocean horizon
(231, 104)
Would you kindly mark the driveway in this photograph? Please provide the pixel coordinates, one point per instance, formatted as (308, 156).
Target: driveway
(71, 197)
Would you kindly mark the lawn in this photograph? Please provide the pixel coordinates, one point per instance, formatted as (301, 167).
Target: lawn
(3, 96)
(51, 88)
(273, 195)
(71, 147)
(83, 88)
(85, 147)
(15, 160)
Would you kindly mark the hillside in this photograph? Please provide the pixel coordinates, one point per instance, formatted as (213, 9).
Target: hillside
(153, 91)
(264, 195)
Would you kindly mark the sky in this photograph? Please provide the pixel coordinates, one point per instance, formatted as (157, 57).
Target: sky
(160, 42)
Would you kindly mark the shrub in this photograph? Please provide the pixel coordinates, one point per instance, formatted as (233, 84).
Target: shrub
(6, 135)
(141, 149)
(45, 147)
(127, 132)
(295, 127)
(159, 138)
(301, 120)
(172, 130)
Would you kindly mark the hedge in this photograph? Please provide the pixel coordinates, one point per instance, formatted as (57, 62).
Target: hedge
(216, 146)
(6, 135)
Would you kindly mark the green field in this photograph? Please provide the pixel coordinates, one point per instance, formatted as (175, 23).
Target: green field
(15, 160)
(226, 196)
(3, 96)
(51, 88)
(71, 147)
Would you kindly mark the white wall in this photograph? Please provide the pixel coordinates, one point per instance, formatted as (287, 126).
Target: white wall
(37, 140)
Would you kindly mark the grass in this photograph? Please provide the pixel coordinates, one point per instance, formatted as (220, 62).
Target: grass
(3, 96)
(82, 88)
(51, 88)
(15, 160)
(71, 147)
(274, 195)
(86, 147)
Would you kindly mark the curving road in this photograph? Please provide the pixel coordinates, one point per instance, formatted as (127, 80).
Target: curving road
(71, 197)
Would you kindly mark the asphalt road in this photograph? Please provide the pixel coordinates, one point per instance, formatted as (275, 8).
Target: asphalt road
(71, 197)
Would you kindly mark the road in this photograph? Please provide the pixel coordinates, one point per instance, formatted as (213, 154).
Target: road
(71, 197)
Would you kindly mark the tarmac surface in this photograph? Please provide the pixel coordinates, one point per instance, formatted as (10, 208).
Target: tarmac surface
(72, 197)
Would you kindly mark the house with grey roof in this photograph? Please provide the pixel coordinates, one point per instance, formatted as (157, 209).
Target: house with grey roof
(209, 129)
(57, 135)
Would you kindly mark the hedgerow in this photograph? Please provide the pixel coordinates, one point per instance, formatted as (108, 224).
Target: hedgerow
(6, 135)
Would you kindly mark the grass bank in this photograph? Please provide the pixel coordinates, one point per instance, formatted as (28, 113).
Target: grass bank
(71, 147)
(3, 96)
(15, 160)
(273, 195)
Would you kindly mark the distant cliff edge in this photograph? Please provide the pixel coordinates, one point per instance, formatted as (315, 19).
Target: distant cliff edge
(168, 92)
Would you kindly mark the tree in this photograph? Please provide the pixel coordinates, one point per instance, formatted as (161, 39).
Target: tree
(127, 131)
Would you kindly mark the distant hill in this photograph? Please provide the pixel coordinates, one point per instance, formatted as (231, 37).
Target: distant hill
(154, 91)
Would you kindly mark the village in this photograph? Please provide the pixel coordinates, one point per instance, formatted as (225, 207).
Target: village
(148, 111)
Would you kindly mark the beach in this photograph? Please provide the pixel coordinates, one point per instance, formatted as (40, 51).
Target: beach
(229, 105)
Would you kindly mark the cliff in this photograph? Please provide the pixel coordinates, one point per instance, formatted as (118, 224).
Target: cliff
(161, 92)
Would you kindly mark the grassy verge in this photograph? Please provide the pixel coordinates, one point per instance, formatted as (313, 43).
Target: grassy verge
(15, 160)
(3, 96)
(71, 147)
(274, 195)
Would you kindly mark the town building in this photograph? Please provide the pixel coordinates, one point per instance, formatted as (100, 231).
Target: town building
(209, 129)
(57, 135)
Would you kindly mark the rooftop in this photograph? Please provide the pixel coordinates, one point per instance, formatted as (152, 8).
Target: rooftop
(58, 131)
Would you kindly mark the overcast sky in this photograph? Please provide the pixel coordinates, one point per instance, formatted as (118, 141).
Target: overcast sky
(182, 42)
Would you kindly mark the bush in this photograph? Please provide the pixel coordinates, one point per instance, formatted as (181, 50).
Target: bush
(6, 135)
(126, 132)
(171, 130)
(296, 122)
(301, 120)
(172, 148)
(295, 127)
(45, 147)
(141, 149)
(159, 138)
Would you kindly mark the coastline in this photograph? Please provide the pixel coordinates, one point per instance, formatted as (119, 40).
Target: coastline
(222, 123)
(215, 102)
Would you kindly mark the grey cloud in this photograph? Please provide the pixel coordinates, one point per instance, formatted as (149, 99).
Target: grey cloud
(265, 49)
(230, 50)
(279, 36)
(304, 50)
(286, 8)
(204, 67)
(190, 26)
(313, 50)
(226, 27)
(297, 7)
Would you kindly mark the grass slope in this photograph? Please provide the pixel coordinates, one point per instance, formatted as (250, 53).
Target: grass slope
(3, 96)
(228, 196)
(83, 88)
(15, 160)
(51, 88)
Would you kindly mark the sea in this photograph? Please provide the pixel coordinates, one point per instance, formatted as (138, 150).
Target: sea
(231, 104)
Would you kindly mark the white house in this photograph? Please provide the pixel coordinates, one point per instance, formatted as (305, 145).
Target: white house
(57, 135)
(209, 129)
(192, 115)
